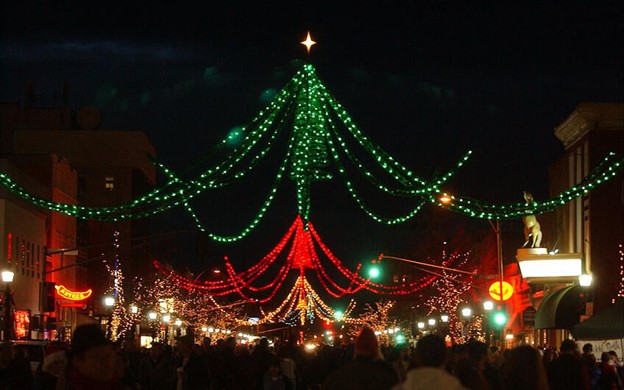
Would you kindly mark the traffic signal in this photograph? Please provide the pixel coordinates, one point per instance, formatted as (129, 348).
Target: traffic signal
(499, 315)
(48, 291)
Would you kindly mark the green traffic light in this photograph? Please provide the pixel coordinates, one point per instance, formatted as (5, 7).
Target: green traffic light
(500, 318)
(374, 272)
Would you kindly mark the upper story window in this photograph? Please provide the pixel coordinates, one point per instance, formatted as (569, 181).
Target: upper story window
(110, 183)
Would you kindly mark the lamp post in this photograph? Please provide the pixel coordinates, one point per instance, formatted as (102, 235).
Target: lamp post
(9, 326)
(165, 319)
(152, 316)
(109, 302)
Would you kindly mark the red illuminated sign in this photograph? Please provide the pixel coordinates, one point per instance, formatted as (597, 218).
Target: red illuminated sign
(66, 293)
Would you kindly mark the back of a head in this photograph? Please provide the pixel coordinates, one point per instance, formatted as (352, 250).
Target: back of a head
(568, 346)
(366, 344)
(588, 348)
(87, 337)
(477, 350)
(431, 351)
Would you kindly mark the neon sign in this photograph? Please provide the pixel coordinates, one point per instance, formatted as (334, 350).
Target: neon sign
(66, 293)
(494, 291)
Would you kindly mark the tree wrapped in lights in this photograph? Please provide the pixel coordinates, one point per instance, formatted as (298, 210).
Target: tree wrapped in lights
(120, 322)
(377, 318)
(195, 309)
(620, 293)
(447, 296)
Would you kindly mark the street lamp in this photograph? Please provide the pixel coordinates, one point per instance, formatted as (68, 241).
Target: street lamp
(9, 326)
(165, 319)
(109, 302)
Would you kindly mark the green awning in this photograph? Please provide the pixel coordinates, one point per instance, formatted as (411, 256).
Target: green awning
(607, 324)
(560, 309)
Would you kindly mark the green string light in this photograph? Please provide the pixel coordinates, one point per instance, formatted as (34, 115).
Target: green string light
(321, 134)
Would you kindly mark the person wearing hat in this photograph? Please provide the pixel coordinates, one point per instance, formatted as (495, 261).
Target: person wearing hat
(92, 362)
(54, 364)
(367, 370)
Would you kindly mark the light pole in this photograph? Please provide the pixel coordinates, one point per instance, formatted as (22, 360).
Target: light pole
(165, 319)
(448, 200)
(9, 326)
(109, 302)
(152, 316)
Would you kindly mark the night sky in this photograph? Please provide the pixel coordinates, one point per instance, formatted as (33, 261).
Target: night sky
(425, 80)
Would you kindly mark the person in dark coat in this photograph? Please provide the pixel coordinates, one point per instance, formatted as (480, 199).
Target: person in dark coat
(192, 371)
(568, 371)
(367, 370)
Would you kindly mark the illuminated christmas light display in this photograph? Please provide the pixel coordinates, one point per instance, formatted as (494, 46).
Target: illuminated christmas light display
(318, 141)
(322, 133)
(449, 295)
(302, 301)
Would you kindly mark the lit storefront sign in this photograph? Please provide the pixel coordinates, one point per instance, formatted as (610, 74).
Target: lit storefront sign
(495, 291)
(551, 268)
(536, 264)
(22, 323)
(66, 293)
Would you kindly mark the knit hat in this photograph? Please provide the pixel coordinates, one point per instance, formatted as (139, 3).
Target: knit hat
(87, 337)
(366, 344)
(53, 354)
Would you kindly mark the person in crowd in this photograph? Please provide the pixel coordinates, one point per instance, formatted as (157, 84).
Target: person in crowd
(18, 373)
(430, 360)
(590, 362)
(54, 365)
(223, 362)
(609, 378)
(288, 366)
(568, 371)
(192, 372)
(260, 357)
(274, 379)
(92, 362)
(619, 365)
(523, 370)
(548, 357)
(471, 371)
(397, 358)
(157, 369)
(366, 371)
(123, 373)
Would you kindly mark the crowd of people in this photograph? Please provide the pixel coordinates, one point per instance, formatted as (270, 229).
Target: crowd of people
(91, 362)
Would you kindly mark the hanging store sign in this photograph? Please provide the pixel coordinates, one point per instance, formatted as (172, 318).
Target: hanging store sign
(66, 293)
(495, 291)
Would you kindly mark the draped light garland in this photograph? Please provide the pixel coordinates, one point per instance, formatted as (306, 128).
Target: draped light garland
(322, 141)
(302, 301)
